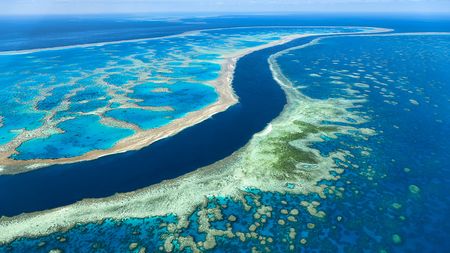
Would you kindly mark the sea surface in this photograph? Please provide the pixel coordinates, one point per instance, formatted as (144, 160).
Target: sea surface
(65, 131)
(395, 196)
(380, 105)
(115, 90)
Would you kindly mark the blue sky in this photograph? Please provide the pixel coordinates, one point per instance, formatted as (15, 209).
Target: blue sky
(8, 7)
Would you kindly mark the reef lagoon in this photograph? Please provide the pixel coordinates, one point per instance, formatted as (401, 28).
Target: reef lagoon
(352, 158)
(127, 94)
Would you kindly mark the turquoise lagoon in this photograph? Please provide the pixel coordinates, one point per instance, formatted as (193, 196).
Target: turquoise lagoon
(383, 108)
(81, 135)
(50, 95)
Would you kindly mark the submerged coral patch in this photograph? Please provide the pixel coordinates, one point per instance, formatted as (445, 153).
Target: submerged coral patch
(142, 85)
(329, 174)
(77, 136)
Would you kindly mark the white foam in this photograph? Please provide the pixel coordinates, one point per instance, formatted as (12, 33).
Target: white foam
(266, 130)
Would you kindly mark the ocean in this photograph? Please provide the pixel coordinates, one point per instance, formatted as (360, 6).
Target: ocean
(375, 106)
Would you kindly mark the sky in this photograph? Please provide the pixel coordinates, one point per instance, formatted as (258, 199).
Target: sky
(43, 7)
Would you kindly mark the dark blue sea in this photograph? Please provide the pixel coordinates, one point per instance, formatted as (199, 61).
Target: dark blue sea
(397, 200)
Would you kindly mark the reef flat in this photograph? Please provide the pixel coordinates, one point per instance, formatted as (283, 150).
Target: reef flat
(343, 168)
(129, 94)
(243, 169)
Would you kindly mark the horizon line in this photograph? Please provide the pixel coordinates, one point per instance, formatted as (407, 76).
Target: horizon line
(237, 13)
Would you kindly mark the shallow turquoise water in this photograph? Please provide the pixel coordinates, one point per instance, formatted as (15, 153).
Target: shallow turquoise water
(81, 135)
(182, 96)
(48, 88)
(16, 119)
(397, 201)
(143, 118)
(402, 90)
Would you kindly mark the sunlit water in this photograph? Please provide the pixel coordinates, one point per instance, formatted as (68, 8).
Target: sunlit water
(115, 90)
(392, 194)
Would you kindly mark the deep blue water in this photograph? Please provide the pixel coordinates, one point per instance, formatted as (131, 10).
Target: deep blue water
(411, 148)
(17, 33)
(408, 103)
(68, 82)
(212, 140)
